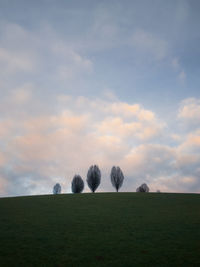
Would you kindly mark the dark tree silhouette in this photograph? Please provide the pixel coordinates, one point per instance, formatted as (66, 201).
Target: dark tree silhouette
(77, 184)
(116, 177)
(143, 188)
(93, 178)
(57, 189)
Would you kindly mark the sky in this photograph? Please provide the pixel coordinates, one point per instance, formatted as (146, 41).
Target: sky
(112, 83)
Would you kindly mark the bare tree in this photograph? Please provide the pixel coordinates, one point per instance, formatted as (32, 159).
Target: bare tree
(143, 188)
(57, 189)
(117, 177)
(77, 184)
(93, 177)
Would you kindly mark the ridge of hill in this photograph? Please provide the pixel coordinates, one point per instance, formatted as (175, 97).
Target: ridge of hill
(101, 229)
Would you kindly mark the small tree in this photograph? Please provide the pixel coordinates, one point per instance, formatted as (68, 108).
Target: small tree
(116, 177)
(77, 184)
(57, 189)
(93, 178)
(143, 188)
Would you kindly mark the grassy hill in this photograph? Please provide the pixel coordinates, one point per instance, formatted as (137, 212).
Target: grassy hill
(101, 229)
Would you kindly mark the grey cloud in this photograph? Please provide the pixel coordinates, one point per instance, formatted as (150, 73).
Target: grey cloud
(24, 183)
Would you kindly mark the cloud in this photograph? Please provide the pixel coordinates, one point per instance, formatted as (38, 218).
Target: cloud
(189, 110)
(49, 132)
(175, 63)
(12, 61)
(71, 63)
(116, 126)
(28, 54)
(182, 77)
(127, 110)
(21, 95)
(150, 45)
(68, 141)
(162, 167)
(129, 121)
(191, 143)
(18, 53)
(42, 149)
(181, 74)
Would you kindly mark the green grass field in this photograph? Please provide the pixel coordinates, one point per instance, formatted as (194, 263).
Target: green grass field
(101, 229)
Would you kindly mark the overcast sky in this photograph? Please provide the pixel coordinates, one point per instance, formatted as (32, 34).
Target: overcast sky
(99, 82)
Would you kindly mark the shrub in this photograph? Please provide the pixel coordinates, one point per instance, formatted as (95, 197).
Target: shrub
(57, 189)
(143, 188)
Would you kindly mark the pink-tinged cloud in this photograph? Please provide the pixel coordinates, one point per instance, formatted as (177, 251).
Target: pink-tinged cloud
(189, 110)
(42, 149)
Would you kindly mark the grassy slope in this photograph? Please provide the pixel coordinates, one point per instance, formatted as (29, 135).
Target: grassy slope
(105, 229)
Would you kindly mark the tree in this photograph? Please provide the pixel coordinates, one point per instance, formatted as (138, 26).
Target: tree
(57, 189)
(77, 184)
(93, 177)
(143, 188)
(117, 177)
